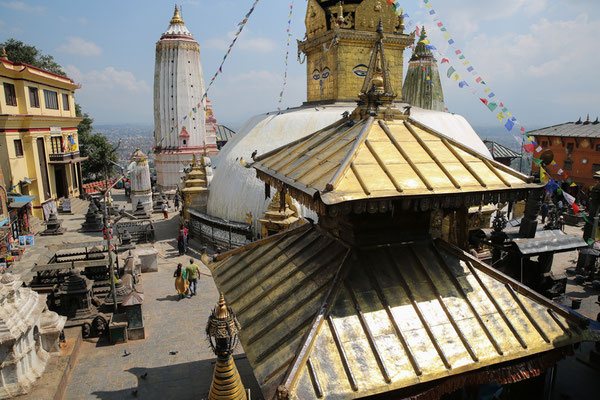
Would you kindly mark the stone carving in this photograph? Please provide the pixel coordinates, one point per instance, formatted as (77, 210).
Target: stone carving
(28, 334)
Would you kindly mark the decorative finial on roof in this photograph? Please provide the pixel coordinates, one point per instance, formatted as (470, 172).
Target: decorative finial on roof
(4, 55)
(176, 17)
(423, 33)
(587, 121)
(596, 122)
(578, 121)
(377, 89)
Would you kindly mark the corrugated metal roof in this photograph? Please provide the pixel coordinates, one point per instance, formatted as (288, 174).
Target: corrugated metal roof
(332, 321)
(499, 151)
(549, 240)
(377, 159)
(224, 133)
(570, 129)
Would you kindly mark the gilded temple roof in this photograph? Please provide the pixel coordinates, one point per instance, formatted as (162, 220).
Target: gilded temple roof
(324, 319)
(377, 158)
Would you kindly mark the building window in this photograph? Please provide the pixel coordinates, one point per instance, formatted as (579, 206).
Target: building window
(570, 147)
(51, 99)
(65, 102)
(544, 144)
(19, 147)
(568, 165)
(598, 147)
(34, 97)
(10, 95)
(57, 144)
(596, 168)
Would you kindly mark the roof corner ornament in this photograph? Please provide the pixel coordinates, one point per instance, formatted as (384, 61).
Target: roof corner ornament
(4, 56)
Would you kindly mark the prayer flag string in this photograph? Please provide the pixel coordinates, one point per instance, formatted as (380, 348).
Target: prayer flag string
(287, 54)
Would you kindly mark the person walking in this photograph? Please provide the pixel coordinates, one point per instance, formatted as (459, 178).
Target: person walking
(183, 232)
(544, 212)
(180, 244)
(193, 272)
(165, 209)
(176, 202)
(181, 282)
(127, 185)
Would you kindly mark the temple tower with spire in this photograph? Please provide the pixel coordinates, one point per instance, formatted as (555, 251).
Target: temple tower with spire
(179, 117)
(422, 85)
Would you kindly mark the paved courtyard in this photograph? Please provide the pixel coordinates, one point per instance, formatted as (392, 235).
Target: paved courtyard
(172, 325)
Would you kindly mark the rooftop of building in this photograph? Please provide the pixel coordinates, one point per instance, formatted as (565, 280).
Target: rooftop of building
(578, 129)
(333, 320)
(500, 151)
(20, 68)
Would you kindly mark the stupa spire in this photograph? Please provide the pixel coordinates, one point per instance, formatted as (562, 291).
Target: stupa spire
(422, 85)
(176, 17)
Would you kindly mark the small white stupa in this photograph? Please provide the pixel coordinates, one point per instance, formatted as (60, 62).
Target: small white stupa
(29, 334)
(141, 187)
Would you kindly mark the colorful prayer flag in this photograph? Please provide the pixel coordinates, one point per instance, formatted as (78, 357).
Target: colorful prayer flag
(451, 70)
(571, 200)
(544, 178)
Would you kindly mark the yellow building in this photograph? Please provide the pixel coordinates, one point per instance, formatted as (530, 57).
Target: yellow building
(39, 148)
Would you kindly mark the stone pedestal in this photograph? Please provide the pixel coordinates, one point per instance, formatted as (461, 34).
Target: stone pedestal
(148, 258)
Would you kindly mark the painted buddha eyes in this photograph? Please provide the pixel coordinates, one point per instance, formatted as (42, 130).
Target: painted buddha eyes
(322, 74)
(316, 74)
(360, 70)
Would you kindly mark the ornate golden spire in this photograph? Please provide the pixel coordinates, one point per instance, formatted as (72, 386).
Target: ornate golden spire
(176, 17)
(4, 55)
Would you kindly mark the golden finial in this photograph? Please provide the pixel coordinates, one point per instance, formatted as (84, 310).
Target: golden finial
(194, 160)
(176, 17)
(221, 311)
(4, 55)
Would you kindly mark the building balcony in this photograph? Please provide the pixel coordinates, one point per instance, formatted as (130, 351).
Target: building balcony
(66, 158)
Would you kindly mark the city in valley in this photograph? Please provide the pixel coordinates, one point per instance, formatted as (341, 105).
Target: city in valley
(329, 199)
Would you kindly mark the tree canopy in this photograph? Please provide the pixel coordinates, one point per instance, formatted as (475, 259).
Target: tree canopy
(18, 51)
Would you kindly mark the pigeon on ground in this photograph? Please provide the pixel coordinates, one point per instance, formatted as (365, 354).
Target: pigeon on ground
(134, 393)
(173, 352)
(144, 375)
(126, 353)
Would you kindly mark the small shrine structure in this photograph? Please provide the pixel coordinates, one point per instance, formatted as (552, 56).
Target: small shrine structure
(195, 188)
(141, 187)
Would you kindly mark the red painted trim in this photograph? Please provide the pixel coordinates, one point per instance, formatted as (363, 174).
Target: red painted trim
(64, 130)
(38, 116)
(18, 64)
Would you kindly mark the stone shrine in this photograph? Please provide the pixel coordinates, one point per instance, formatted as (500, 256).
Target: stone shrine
(93, 219)
(141, 187)
(28, 333)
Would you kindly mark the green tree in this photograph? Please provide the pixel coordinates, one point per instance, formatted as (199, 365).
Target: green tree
(17, 51)
(95, 146)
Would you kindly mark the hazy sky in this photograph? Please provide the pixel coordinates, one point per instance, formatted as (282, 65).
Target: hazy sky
(540, 57)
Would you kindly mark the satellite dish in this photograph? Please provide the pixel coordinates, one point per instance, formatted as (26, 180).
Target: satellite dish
(547, 157)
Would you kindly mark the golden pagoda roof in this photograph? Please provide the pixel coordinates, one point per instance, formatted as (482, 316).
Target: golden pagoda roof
(378, 158)
(324, 319)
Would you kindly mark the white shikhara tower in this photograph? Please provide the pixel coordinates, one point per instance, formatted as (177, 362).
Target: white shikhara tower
(179, 117)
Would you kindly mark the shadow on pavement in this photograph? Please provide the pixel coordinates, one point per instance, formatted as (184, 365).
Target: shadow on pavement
(179, 381)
